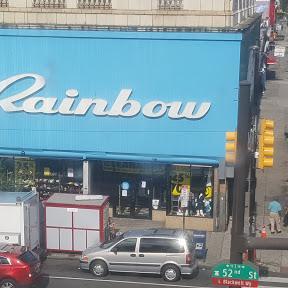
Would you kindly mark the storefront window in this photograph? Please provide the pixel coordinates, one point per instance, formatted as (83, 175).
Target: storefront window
(134, 188)
(191, 191)
(16, 174)
(46, 175)
(58, 176)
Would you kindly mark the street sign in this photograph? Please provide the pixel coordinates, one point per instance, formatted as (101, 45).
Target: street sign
(279, 51)
(240, 275)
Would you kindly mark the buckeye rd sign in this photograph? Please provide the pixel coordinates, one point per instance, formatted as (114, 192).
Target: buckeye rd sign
(226, 274)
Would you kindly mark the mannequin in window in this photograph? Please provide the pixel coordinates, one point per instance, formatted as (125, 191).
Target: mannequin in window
(192, 204)
(200, 205)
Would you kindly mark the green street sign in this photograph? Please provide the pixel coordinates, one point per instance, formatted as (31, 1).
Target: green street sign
(227, 274)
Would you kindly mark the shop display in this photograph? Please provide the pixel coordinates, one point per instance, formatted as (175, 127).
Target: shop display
(16, 174)
(47, 186)
(7, 178)
(191, 193)
(55, 184)
(58, 177)
(200, 205)
(24, 174)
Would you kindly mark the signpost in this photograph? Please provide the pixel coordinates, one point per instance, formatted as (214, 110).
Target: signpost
(279, 51)
(238, 275)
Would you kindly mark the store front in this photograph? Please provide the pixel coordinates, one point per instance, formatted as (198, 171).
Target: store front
(138, 116)
(136, 189)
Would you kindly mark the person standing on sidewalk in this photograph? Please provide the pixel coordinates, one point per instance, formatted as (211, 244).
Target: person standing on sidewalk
(275, 209)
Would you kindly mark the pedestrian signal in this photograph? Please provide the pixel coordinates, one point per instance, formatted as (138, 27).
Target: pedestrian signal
(231, 147)
(266, 144)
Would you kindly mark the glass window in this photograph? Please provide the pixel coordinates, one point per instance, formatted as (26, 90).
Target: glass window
(191, 191)
(4, 261)
(160, 245)
(127, 245)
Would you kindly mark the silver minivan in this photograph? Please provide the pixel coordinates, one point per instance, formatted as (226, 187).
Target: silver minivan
(168, 252)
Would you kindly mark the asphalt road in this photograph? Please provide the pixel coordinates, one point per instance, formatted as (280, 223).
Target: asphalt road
(65, 274)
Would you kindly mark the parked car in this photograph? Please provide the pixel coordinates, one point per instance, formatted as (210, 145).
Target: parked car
(18, 266)
(170, 253)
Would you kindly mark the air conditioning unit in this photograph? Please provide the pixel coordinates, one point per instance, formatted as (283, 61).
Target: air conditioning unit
(10, 238)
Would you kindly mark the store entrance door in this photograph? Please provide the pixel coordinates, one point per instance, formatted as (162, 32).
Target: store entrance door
(134, 199)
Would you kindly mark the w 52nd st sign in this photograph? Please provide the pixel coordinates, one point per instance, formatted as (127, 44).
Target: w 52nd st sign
(240, 275)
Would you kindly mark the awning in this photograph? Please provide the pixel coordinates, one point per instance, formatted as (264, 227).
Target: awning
(108, 156)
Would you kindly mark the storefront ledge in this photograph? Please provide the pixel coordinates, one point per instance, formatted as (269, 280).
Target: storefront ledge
(159, 215)
(191, 223)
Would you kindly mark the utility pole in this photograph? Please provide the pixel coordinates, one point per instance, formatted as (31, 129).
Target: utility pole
(255, 111)
(241, 171)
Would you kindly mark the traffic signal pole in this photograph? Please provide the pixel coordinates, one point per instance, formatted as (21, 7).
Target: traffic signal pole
(239, 241)
(240, 175)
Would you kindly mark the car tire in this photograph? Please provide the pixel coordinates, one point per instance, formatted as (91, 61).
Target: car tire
(8, 283)
(99, 268)
(170, 273)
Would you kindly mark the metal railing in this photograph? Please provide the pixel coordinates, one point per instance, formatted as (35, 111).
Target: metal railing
(49, 3)
(95, 4)
(170, 4)
(3, 3)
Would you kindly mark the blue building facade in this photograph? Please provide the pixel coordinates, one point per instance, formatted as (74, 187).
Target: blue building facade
(145, 111)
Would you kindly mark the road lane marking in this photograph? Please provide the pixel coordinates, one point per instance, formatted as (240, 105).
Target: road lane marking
(262, 279)
(125, 282)
(274, 279)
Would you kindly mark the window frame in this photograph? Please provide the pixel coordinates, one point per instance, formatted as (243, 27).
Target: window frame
(120, 242)
(161, 240)
(6, 258)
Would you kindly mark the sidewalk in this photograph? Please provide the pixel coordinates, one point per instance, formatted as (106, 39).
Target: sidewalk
(273, 183)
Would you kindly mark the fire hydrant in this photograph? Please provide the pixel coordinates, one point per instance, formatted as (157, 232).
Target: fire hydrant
(263, 232)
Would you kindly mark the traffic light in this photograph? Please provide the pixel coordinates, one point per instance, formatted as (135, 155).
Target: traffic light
(231, 147)
(265, 144)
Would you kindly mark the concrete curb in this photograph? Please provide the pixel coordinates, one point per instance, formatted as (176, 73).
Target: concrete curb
(61, 256)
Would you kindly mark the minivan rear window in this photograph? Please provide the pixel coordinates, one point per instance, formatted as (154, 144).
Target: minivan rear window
(160, 245)
(28, 257)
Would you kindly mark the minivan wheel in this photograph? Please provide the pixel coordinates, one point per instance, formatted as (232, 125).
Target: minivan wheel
(7, 283)
(170, 273)
(98, 268)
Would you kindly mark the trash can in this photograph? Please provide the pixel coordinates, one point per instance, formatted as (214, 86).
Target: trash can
(199, 238)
